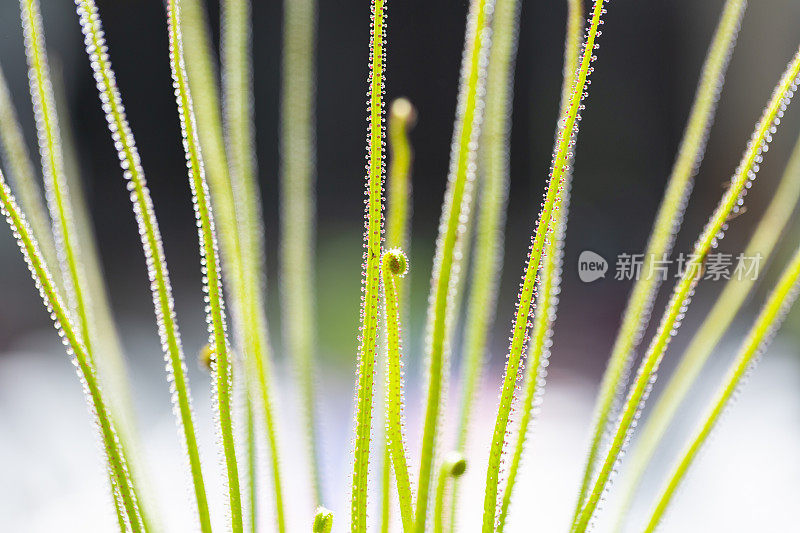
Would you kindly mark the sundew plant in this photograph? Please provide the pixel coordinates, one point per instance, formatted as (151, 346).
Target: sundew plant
(407, 469)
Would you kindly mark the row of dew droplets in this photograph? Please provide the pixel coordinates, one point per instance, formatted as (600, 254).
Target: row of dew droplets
(453, 235)
(75, 350)
(637, 313)
(59, 204)
(52, 162)
(212, 288)
(548, 287)
(370, 279)
(714, 231)
(149, 232)
(394, 266)
(750, 354)
(542, 341)
(522, 322)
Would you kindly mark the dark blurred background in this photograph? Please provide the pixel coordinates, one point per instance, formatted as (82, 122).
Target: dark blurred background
(649, 62)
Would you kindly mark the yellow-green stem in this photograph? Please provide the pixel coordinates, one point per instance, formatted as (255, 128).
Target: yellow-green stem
(666, 225)
(297, 208)
(212, 282)
(450, 242)
(559, 171)
(549, 278)
(402, 117)
(764, 328)
(716, 322)
(118, 474)
(151, 243)
(394, 266)
(246, 303)
(670, 321)
(56, 186)
(371, 272)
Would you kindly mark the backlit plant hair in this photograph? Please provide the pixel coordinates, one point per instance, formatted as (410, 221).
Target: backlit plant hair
(665, 227)
(373, 239)
(519, 333)
(729, 205)
(150, 234)
(451, 241)
(394, 266)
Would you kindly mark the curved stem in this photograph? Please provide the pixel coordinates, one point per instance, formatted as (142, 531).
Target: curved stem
(716, 322)
(402, 116)
(120, 479)
(215, 310)
(451, 240)
(549, 280)
(764, 328)
(150, 234)
(393, 267)
(560, 168)
(684, 288)
(665, 227)
(56, 186)
(236, 207)
(59, 202)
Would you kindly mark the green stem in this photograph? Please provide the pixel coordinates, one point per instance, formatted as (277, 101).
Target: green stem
(764, 328)
(488, 257)
(371, 273)
(112, 368)
(297, 208)
(56, 187)
(393, 267)
(161, 288)
(716, 322)
(665, 227)
(402, 116)
(59, 200)
(452, 236)
(240, 261)
(558, 173)
(119, 478)
(453, 467)
(215, 310)
(236, 43)
(550, 279)
(22, 178)
(670, 321)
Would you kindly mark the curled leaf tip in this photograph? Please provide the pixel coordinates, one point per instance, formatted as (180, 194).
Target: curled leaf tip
(323, 520)
(402, 109)
(455, 463)
(396, 262)
(205, 357)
